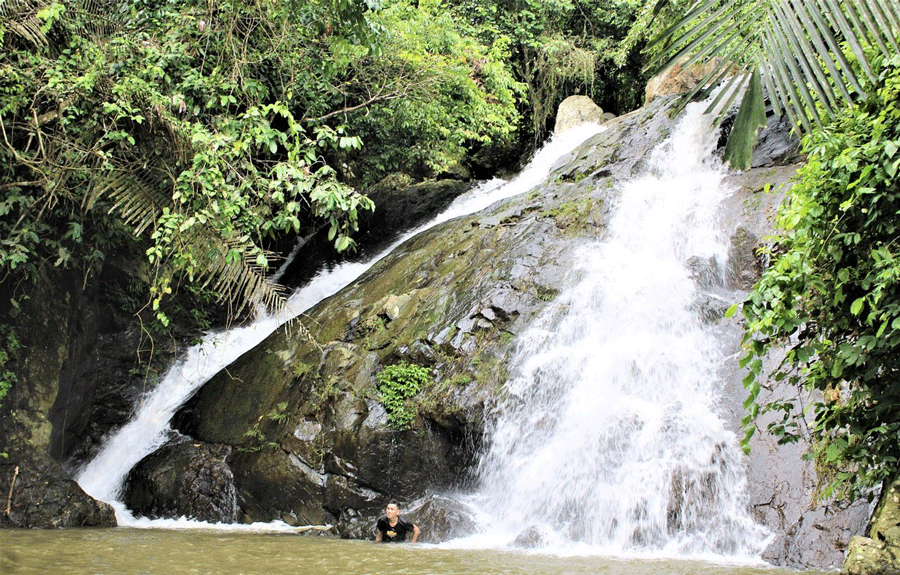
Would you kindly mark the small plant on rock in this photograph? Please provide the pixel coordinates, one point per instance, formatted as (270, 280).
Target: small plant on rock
(397, 383)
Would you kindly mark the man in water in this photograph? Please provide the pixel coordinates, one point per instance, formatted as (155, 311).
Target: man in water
(392, 527)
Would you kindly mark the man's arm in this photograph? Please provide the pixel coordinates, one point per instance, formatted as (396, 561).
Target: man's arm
(377, 535)
(415, 533)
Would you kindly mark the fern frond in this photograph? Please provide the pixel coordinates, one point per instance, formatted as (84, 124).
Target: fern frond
(94, 18)
(138, 195)
(239, 280)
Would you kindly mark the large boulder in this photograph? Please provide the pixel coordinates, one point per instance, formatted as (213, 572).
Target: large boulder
(41, 494)
(678, 79)
(183, 478)
(303, 410)
(55, 340)
(868, 556)
(576, 110)
(879, 553)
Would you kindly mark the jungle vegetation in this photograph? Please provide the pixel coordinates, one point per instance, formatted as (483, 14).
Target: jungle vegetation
(199, 132)
(192, 137)
(204, 130)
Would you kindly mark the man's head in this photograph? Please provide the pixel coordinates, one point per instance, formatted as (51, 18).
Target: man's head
(392, 510)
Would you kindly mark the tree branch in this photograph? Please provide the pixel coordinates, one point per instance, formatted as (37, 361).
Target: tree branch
(366, 104)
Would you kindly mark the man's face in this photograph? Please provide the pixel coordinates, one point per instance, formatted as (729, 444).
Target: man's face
(391, 511)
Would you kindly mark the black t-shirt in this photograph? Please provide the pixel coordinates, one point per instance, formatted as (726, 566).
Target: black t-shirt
(397, 532)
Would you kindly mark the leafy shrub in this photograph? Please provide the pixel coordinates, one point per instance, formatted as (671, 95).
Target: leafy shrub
(832, 297)
(398, 383)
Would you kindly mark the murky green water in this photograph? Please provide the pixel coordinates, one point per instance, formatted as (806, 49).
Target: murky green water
(128, 551)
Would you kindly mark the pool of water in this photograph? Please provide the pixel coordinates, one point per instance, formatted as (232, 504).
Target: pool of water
(127, 551)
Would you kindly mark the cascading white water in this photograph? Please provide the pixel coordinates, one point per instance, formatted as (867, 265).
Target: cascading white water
(103, 477)
(610, 435)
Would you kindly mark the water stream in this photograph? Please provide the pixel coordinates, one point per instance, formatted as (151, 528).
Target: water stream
(611, 437)
(103, 477)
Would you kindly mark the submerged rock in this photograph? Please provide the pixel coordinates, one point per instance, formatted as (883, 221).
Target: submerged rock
(441, 518)
(530, 538)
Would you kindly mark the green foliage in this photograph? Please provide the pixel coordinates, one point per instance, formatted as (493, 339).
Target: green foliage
(440, 93)
(257, 440)
(397, 383)
(461, 379)
(9, 348)
(546, 293)
(832, 296)
(183, 124)
(206, 130)
(564, 47)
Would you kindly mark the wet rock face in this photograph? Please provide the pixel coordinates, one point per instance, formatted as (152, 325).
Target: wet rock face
(41, 495)
(780, 484)
(305, 416)
(777, 144)
(183, 478)
(39, 492)
(879, 552)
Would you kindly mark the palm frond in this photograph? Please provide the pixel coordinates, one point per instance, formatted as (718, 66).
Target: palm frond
(19, 17)
(750, 118)
(793, 49)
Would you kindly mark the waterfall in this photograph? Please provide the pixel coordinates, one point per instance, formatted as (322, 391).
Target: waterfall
(103, 477)
(610, 436)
